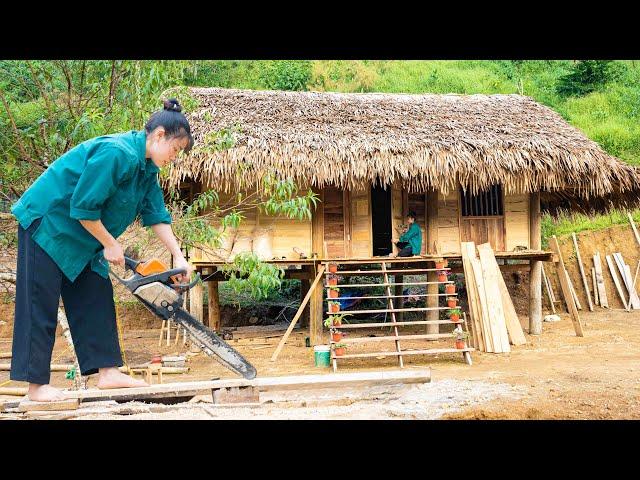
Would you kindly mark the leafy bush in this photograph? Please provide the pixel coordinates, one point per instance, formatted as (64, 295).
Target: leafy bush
(287, 74)
(587, 76)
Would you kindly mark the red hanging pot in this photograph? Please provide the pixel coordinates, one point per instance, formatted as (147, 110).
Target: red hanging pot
(336, 336)
(450, 288)
(334, 293)
(460, 344)
(333, 267)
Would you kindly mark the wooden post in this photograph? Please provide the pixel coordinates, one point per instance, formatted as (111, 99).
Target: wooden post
(582, 275)
(316, 315)
(305, 283)
(564, 285)
(317, 246)
(431, 210)
(196, 307)
(535, 273)
(214, 306)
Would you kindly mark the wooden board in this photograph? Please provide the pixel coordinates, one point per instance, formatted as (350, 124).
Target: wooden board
(494, 302)
(180, 389)
(573, 292)
(582, 275)
(616, 280)
(628, 281)
(514, 329)
(516, 220)
(602, 293)
(468, 252)
(596, 299)
(547, 285)
(27, 405)
(635, 230)
(564, 284)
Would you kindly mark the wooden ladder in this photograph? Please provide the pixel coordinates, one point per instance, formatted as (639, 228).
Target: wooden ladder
(391, 309)
(393, 313)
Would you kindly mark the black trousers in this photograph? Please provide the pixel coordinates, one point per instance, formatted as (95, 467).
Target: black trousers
(404, 249)
(88, 304)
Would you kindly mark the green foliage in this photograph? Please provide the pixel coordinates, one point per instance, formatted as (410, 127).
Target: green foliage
(247, 274)
(286, 74)
(587, 76)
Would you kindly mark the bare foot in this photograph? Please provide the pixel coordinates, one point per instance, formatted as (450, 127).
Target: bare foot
(44, 393)
(114, 378)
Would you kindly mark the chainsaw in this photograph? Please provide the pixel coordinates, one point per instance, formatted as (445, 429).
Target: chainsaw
(159, 289)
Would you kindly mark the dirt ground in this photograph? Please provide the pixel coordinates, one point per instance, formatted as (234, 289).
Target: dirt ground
(555, 376)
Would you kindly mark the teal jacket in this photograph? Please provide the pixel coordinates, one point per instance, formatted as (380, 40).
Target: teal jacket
(106, 178)
(414, 237)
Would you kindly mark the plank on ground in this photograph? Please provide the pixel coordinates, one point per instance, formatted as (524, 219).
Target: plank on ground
(616, 281)
(468, 252)
(582, 275)
(564, 285)
(602, 292)
(548, 290)
(514, 329)
(264, 384)
(494, 302)
(596, 300)
(626, 277)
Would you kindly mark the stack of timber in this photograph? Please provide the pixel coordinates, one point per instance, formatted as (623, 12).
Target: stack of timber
(494, 321)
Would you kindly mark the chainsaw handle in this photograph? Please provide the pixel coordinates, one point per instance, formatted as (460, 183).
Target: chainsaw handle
(187, 286)
(130, 263)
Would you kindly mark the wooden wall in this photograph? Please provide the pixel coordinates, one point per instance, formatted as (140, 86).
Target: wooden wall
(397, 217)
(448, 223)
(287, 233)
(516, 217)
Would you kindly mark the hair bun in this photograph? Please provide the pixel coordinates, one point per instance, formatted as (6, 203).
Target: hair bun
(172, 104)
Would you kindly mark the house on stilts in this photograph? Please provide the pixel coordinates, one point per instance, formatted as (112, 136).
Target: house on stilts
(473, 167)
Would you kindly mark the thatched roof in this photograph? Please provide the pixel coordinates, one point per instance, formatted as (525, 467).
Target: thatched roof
(426, 141)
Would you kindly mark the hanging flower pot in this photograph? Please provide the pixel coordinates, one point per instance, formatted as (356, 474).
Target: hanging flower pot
(334, 307)
(339, 350)
(442, 276)
(336, 336)
(452, 302)
(460, 344)
(450, 288)
(334, 292)
(454, 315)
(441, 265)
(333, 267)
(332, 280)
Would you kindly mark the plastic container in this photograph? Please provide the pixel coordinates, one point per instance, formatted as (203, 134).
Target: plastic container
(322, 355)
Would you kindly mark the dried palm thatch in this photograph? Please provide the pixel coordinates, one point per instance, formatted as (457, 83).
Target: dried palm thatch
(425, 141)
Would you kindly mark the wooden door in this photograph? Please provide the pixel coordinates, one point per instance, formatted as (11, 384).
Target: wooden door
(361, 223)
(334, 222)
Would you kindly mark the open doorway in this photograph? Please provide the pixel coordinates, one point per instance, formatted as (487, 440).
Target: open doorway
(381, 220)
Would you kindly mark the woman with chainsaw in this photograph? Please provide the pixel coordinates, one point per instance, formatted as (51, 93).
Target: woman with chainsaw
(69, 222)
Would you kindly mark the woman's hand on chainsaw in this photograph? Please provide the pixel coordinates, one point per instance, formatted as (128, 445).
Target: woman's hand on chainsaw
(180, 262)
(114, 253)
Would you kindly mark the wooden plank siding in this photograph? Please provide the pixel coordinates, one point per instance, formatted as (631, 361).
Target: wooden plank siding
(516, 220)
(449, 223)
(361, 237)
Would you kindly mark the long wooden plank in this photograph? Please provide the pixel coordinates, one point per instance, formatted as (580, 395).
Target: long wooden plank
(298, 313)
(387, 338)
(392, 310)
(295, 382)
(596, 299)
(564, 285)
(635, 230)
(635, 278)
(390, 324)
(548, 290)
(494, 302)
(408, 295)
(573, 292)
(582, 275)
(393, 315)
(406, 271)
(602, 292)
(622, 267)
(389, 284)
(514, 329)
(468, 249)
(485, 324)
(616, 281)
(431, 351)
